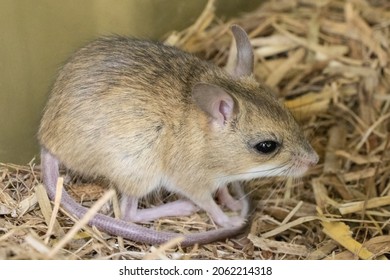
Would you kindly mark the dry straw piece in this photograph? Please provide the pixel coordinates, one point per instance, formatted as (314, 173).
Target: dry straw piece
(328, 61)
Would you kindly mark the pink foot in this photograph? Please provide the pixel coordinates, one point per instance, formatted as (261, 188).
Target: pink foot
(130, 211)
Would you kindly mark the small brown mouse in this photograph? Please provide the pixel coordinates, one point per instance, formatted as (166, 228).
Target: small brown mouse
(144, 116)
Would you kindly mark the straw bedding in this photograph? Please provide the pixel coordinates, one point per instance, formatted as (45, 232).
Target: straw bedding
(329, 62)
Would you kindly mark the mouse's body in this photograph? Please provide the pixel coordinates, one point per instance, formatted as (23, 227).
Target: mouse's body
(145, 116)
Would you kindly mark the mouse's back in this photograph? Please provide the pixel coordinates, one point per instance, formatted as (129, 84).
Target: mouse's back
(111, 64)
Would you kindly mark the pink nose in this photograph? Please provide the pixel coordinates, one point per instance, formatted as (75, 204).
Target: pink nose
(313, 159)
(310, 160)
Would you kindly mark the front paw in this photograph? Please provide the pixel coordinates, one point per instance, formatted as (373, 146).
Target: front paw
(234, 205)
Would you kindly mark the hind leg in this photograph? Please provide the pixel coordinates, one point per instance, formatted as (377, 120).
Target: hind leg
(130, 211)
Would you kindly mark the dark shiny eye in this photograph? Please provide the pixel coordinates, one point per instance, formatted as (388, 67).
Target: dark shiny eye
(266, 147)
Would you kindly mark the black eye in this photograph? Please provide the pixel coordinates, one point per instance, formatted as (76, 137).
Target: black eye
(266, 147)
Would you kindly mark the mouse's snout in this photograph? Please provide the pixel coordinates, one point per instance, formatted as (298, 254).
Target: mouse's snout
(313, 159)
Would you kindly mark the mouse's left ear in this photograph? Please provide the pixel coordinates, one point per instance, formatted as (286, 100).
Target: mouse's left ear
(214, 101)
(245, 57)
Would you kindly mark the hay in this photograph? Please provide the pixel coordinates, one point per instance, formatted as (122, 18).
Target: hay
(329, 62)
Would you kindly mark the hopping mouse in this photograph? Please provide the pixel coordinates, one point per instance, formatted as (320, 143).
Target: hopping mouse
(146, 116)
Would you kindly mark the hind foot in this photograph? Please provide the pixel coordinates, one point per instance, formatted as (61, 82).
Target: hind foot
(130, 211)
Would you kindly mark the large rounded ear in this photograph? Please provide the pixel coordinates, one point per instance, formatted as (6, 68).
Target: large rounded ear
(214, 101)
(244, 61)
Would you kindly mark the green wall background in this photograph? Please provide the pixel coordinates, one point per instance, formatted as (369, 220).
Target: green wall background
(37, 36)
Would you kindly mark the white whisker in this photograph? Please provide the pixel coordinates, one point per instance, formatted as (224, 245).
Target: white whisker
(274, 171)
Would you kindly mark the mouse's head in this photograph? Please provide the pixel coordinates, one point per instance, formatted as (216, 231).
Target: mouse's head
(252, 134)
